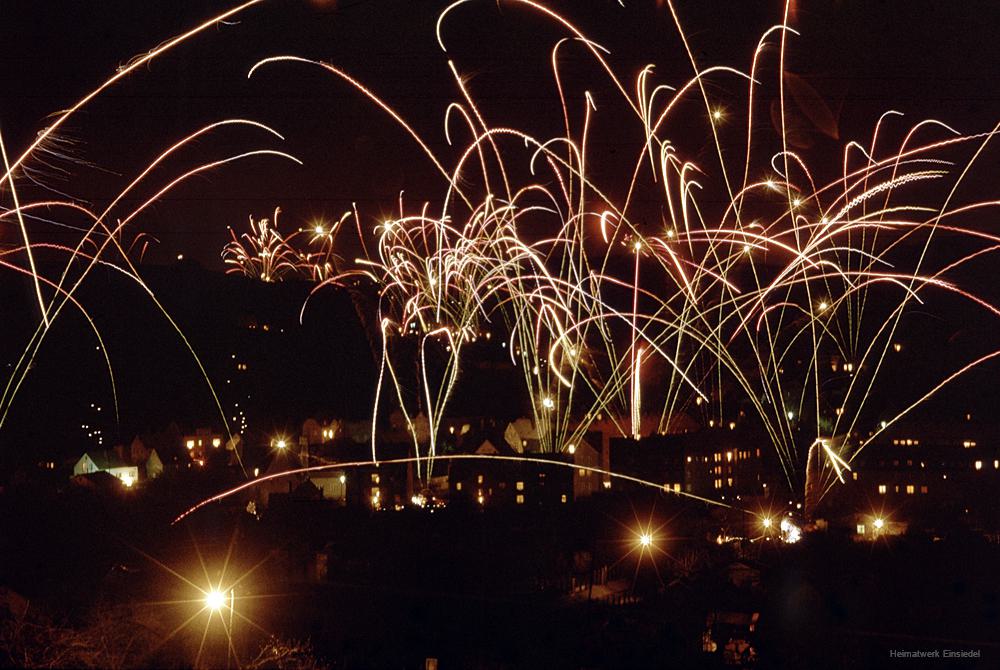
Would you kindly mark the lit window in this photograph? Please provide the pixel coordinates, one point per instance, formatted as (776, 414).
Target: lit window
(216, 442)
(910, 489)
(979, 465)
(677, 488)
(520, 499)
(854, 476)
(562, 498)
(583, 473)
(729, 456)
(458, 486)
(882, 489)
(190, 444)
(375, 478)
(861, 529)
(479, 479)
(923, 489)
(729, 481)
(520, 486)
(718, 483)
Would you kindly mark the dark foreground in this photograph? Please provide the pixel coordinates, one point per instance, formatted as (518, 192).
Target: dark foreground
(93, 580)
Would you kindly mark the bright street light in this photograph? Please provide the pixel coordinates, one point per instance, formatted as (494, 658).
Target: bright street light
(215, 600)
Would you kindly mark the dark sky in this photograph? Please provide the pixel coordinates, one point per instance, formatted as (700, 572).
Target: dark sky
(924, 58)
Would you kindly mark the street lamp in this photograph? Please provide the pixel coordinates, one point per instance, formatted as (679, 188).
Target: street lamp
(215, 600)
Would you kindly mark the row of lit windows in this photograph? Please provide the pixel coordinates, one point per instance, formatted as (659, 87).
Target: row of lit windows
(979, 465)
(216, 442)
(910, 489)
(907, 442)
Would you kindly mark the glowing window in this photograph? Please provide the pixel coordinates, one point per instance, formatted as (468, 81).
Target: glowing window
(458, 486)
(520, 499)
(520, 486)
(562, 498)
(979, 465)
(910, 489)
(882, 489)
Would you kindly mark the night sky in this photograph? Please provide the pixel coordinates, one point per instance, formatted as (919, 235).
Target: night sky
(852, 61)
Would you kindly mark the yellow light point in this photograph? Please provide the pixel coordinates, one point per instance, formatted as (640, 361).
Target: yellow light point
(281, 444)
(646, 540)
(796, 202)
(215, 600)
(319, 230)
(879, 523)
(128, 481)
(670, 233)
(548, 403)
(637, 246)
(571, 449)
(766, 522)
(717, 114)
(823, 305)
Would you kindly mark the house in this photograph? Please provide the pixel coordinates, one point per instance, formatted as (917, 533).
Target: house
(586, 481)
(332, 485)
(153, 465)
(101, 461)
(522, 436)
(200, 442)
(500, 482)
(318, 432)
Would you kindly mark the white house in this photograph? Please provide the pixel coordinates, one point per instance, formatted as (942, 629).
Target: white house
(99, 461)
